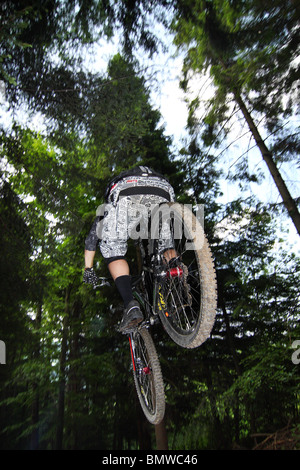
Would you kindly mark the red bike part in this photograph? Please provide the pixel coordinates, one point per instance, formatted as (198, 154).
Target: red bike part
(132, 356)
(175, 272)
(146, 370)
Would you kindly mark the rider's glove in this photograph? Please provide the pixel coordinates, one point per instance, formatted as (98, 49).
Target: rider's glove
(90, 277)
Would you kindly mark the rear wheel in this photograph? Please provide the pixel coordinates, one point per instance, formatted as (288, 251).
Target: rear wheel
(187, 291)
(147, 375)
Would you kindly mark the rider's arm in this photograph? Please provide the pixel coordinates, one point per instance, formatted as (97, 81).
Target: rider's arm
(91, 243)
(89, 258)
(89, 275)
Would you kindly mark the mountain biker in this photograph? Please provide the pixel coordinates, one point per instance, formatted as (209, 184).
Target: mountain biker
(132, 192)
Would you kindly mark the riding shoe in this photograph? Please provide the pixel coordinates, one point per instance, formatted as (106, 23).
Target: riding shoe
(131, 318)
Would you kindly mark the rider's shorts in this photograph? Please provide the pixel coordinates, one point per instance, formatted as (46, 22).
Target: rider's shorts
(131, 204)
(131, 218)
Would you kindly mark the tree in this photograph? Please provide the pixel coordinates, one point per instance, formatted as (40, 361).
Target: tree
(223, 37)
(32, 34)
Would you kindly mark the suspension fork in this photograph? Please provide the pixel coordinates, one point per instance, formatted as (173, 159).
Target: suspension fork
(132, 350)
(138, 369)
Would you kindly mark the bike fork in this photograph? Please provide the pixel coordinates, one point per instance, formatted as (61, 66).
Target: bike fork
(132, 345)
(138, 365)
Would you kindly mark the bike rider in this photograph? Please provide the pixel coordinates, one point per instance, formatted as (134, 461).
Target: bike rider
(126, 194)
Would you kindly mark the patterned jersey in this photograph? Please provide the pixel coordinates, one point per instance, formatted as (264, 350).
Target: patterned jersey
(138, 181)
(141, 186)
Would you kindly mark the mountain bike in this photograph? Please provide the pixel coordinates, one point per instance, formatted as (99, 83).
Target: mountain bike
(176, 288)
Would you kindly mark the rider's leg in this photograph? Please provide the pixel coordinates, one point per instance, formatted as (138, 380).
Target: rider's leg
(118, 268)
(169, 254)
(113, 246)
(119, 271)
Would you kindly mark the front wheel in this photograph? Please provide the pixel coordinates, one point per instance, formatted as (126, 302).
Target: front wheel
(147, 375)
(187, 292)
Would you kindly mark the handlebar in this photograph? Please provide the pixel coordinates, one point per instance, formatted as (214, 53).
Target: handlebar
(103, 282)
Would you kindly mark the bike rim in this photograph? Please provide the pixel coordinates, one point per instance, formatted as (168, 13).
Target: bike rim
(142, 369)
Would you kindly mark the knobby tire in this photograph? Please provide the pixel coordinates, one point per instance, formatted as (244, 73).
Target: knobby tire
(149, 386)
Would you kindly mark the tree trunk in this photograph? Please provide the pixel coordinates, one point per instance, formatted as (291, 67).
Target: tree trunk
(73, 377)
(217, 434)
(35, 408)
(144, 429)
(230, 339)
(62, 378)
(288, 201)
(161, 436)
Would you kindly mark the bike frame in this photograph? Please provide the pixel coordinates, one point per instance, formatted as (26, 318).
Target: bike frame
(154, 270)
(145, 270)
(150, 315)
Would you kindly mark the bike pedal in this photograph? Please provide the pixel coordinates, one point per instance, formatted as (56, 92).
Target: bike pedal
(154, 319)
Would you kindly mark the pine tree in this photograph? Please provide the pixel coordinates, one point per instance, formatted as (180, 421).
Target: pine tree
(239, 43)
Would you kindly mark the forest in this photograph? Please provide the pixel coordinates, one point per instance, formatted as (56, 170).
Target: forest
(67, 125)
